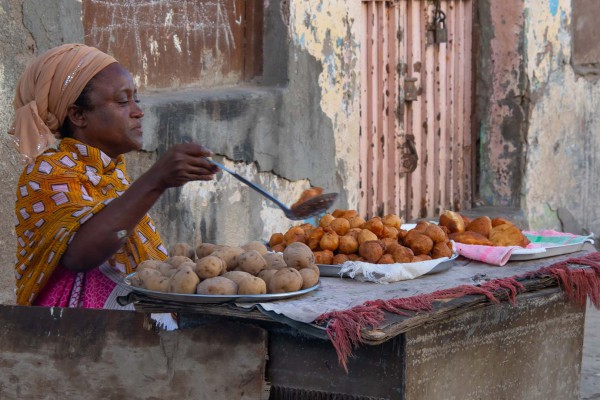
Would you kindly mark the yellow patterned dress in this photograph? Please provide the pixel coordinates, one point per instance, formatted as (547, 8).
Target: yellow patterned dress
(59, 192)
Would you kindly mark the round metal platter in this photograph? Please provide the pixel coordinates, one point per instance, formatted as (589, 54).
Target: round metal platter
(216, 299)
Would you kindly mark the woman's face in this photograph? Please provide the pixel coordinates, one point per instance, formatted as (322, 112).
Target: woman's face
(113, 124)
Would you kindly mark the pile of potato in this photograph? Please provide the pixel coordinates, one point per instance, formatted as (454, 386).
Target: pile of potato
(343, 235)
(227, 270)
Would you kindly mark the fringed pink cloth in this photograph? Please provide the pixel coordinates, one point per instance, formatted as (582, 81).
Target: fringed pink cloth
(344, 327)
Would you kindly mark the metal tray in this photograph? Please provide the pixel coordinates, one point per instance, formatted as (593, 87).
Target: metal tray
(216, 299)
(550, 251)
(334, 270)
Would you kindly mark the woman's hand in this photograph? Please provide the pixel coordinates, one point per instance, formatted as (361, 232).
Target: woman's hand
(183, 163)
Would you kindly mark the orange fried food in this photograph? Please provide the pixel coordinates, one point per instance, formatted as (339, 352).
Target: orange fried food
(500, 221)
(323, 257)
(508, 235)
(330, 240)
(348, 244)
(366, 235)
(326, 220)
(356, 222)
(372, 250)
(392, 220)
(314, 238)
(389, 243)
(339, 259)
(389, 232)
(453, 221)
(402, 254)
(308, 194)
(386, 259)
(440, 250)
(422, 257)
(419, 243)
(341, 226)
(469, 237)
(374, 225)
(481, 225)
(275, 239)
(295, 234)
(436, 233)
(422, 226)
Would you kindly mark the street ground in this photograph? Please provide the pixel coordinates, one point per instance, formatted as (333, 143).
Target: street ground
(590, 368)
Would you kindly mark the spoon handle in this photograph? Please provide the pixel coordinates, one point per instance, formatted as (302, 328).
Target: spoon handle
(251, 184)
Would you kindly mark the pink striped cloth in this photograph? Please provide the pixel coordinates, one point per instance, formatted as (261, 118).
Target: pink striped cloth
(494, 255)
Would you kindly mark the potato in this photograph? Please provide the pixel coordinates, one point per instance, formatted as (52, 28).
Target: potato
(256, 245)
(274, 260)
(285, 280)
(237, 276)
(341, 226)
(141, 276)
(218, 285)
(276, 239)
(182, 249)
(309, 278)
(206, 249)
(184, 281)
(267, 274)
(175, 261)
(252, 261)
(167, 269)
(152, 264)
(209, 267)
(229, 254)
(158, 283)
(252, 285)
(298, 255)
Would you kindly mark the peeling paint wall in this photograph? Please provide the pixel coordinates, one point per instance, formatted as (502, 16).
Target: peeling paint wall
(295, 126)
(563, 144)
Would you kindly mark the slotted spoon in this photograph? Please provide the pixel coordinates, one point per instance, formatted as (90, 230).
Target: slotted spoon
(309, 208)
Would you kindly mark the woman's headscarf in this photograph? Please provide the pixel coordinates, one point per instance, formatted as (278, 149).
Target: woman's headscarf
(49, 84)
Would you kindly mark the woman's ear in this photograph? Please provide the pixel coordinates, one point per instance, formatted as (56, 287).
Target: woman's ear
(76, 116)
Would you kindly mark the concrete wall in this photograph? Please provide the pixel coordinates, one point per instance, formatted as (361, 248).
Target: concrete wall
(537, 113)
(294, 126)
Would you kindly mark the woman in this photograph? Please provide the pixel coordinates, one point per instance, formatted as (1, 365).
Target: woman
(76, 209)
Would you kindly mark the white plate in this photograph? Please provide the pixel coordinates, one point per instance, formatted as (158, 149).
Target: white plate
(543, 252)
(216, 299)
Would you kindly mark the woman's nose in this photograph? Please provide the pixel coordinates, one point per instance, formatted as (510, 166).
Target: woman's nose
(137, 111)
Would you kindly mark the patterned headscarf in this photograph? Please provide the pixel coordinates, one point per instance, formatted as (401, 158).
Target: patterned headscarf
(48, 86)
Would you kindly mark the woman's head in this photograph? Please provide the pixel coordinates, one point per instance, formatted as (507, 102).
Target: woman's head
(49, 84)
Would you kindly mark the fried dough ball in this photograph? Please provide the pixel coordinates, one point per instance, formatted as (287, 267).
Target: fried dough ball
(374, 225)
(386, 259)
(349, 214)
(323, 257)
(469, 237)
(436, 233)
(354, 232)
(330, 240)
(389, 243)
(392, 220)
(348, 244)
(326, 220)
(307, 195)
(338, 212)
(402, 234)
(366, 235)
(500, 221)
(440, 250)
(341, 226)
(453, 221)
(508, 235)
(295, 234)
(278, 248)
(356, 222)
(389, 232)
(481, 225)
(420, 244)
(466, 220)
(402, 254)
(371, 250)
(353, 257)
(314, 238)
(276, 239)
(339, 259)
(421, 226)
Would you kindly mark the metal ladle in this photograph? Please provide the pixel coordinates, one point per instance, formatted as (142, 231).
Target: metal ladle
(311, 207)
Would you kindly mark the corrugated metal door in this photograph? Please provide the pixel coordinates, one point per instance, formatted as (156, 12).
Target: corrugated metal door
(416, 99)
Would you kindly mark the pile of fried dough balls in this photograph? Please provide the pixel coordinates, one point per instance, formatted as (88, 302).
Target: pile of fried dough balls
(212, 269)
(345, 236)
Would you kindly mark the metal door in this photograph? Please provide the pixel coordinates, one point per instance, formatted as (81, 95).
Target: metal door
(416, 153)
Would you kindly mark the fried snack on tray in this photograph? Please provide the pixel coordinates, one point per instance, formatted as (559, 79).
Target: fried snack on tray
(469, 237)
(508, 235)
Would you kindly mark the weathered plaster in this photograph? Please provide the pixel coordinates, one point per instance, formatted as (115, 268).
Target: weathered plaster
(563, 144)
